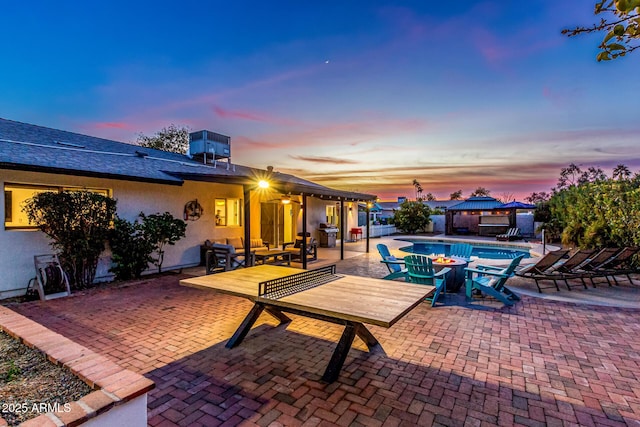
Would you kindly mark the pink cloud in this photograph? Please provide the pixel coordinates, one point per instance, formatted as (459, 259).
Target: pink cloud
(251, 116)
(127, 128)
(388, 183)
(326, 160)
(111, 125)
(358, 131)
(245, 115)
(561, 98)
(407, 21)
(243, 142)
(351, 133)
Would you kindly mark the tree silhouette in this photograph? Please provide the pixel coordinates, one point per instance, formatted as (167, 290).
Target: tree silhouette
(172, 138)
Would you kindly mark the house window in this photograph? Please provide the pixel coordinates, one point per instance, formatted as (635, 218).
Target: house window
(228, 212)
(15, 196)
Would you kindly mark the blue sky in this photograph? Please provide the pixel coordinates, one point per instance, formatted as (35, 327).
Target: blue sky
(363, 95)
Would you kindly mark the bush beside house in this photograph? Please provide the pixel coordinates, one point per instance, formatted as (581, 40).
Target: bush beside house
(78, 223)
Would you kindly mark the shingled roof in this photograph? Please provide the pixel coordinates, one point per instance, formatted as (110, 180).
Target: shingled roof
(40, 149)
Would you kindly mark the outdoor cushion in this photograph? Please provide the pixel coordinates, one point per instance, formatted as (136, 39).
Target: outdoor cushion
(256, 243)
(236, 242)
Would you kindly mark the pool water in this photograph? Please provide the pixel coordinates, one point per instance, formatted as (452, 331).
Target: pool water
(480, 251)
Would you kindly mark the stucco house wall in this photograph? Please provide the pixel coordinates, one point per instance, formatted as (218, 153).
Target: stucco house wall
(17, 247)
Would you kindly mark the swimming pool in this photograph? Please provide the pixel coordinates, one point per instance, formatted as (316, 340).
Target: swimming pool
(480, 250)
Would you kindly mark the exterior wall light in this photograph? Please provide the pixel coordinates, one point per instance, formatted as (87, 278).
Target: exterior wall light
(263, 184)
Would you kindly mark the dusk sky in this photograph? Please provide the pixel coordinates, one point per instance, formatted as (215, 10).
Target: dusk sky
(357, 95)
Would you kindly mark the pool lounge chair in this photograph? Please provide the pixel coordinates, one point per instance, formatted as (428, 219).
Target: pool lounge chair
(511, 234)
(621, 265)
(543, 270)
(395, 266)
(420, 271)
(595, 266)
(572, 267)
(491, 280)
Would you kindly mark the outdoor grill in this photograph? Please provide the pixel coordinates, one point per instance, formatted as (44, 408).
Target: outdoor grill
(327, 235)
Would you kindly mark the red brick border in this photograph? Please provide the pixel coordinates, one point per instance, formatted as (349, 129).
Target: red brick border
(114, 385)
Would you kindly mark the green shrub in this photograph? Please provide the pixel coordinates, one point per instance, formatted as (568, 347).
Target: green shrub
(412, 216)
(78, 224)
(598, 213)
(130, 249)
(160, 230)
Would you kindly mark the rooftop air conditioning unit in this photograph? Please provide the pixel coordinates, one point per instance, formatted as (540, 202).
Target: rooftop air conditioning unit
(209, 145)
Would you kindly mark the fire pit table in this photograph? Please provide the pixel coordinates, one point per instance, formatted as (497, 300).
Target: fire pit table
(455, 278)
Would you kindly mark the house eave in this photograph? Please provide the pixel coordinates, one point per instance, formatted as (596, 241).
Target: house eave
(90, 174)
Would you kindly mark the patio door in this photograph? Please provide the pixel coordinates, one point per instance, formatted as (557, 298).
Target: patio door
(272, 223)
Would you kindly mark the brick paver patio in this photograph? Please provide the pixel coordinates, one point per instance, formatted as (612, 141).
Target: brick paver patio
(538, 363)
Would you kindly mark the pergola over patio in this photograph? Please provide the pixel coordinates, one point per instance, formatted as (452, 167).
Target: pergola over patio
(483, 216)
(287, 185)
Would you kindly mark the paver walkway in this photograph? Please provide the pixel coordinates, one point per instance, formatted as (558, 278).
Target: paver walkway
(538, 363)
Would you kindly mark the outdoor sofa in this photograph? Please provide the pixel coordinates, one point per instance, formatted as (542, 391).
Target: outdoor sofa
(236, 242)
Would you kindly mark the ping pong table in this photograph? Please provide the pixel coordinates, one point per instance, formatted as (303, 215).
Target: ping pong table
(320, 294)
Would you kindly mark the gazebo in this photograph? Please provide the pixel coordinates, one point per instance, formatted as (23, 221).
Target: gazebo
(513, 207)
(483, 216)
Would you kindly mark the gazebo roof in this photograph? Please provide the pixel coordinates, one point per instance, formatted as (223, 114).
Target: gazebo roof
(517, 205)
(482, 203)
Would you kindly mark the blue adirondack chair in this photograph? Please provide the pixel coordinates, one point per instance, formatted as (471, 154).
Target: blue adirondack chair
(491, 280)
(396, 266)
(461, 250)
(420, 270)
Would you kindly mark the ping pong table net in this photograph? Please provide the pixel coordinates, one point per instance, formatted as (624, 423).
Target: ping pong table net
(289, 285)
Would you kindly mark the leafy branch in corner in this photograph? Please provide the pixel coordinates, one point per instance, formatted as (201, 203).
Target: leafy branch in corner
(622, 26)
